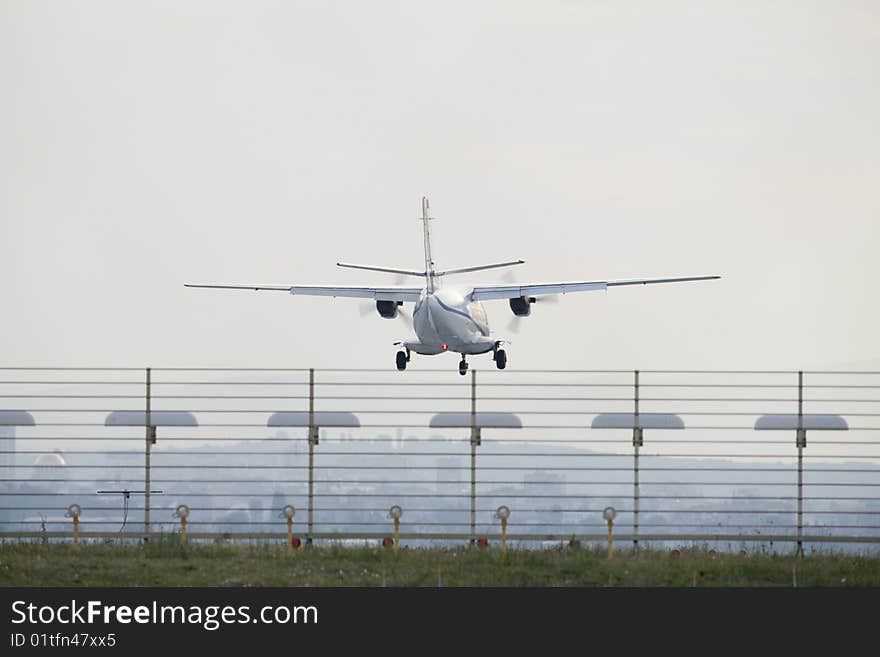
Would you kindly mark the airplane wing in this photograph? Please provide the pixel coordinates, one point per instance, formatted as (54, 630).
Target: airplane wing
(391, 293)
(484, 292)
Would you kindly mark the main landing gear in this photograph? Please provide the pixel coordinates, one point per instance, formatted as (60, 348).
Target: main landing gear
(499, 356)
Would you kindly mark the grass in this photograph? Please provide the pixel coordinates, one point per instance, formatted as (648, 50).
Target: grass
(167, 562)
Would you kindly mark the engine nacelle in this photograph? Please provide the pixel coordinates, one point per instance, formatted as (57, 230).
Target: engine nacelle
(388, 309)
(522, 306)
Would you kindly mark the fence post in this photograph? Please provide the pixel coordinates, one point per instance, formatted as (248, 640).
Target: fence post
(475, 442)
(801, 443)
(313, 440)
(638, 441)
(147, 458)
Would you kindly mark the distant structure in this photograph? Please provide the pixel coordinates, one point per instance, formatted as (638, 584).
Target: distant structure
(7, 451)
(449, 469)
(50, 465)
(546, 482)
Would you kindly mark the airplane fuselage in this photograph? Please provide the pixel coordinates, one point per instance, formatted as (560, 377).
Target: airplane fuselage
(448, 320)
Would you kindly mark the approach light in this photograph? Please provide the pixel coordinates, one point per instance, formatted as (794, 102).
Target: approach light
(182, 511)
(395, 512)
(502, 512)
(289, 511)
(74, 511)
(610, 513)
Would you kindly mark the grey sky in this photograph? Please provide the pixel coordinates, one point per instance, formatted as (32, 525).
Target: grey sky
(145, 145)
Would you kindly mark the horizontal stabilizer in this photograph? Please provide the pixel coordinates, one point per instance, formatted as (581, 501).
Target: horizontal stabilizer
(465, 270)
(387, 270)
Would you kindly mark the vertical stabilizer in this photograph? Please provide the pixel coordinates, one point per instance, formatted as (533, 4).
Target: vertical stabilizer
(429, 260)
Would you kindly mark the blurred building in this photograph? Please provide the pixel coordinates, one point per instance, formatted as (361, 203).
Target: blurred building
(7, 452)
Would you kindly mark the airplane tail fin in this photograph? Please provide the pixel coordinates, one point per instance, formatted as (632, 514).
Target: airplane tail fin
(429, 259)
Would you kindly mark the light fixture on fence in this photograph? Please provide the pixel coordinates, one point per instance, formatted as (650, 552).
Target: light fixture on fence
(7, 443)
(16, 419)
(156, 419)
(314, 421)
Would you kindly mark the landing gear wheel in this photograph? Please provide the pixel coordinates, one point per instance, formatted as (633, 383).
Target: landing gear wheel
(462, 367)
(401, 360)
(501, 359)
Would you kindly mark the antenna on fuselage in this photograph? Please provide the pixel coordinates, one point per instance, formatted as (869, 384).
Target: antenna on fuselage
(429, 260)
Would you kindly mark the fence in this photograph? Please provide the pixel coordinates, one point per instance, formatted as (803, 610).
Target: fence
(730, 458)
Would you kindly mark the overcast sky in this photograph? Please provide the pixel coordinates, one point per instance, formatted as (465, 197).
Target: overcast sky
(144, 145)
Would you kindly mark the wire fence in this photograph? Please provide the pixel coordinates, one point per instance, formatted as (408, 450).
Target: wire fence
(733, 458)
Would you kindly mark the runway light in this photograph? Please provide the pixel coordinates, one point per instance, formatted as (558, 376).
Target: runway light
(74, 511)
(395, 512)
(610, 513)
(676, 553)
(483, 542)
(503, 513)
(288, 512)
(182, 512)
(295, 542)
(387, 542)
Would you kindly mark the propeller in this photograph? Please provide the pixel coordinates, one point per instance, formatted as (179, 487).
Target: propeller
(405, 316)
(515, 323)
(366, 308)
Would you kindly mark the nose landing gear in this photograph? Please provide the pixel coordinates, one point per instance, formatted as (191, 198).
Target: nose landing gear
(462, 366)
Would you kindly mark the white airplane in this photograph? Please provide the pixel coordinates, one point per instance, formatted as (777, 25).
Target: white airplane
(449, 318)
